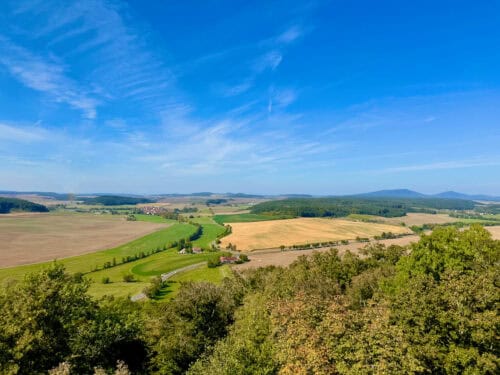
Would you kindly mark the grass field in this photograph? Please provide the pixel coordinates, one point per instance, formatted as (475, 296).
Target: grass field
(32, 238)
(212, 275)
(246, 218)
(142, 270)
(153, 219)
(270, 234)
(157, 264)
(88, 262)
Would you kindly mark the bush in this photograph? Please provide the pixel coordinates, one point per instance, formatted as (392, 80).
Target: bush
(213, 262)
(128, 278)
(106, 280)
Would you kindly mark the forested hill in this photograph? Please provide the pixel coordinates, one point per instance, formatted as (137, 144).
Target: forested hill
(115, 200)
(9, 204)
(339, 207)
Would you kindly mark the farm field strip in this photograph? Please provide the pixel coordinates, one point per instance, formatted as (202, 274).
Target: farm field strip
(270, 234)
(86, 263)
(34, 238)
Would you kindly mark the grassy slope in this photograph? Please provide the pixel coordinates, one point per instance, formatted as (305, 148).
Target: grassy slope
(213, 275)
(246, 218)
(144, 269)
(87, 262)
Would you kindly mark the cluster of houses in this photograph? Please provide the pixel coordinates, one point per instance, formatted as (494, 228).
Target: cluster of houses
(194, 250)
(229, 260)
(152, 210)
(222, 259)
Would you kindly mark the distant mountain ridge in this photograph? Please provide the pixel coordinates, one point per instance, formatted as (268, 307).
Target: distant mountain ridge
(390, 193)
(395, 193)
(406, 193)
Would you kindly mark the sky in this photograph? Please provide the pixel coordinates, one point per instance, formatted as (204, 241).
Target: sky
(269, 97)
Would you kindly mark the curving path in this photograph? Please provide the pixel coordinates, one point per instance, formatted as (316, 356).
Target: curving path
(166, 276)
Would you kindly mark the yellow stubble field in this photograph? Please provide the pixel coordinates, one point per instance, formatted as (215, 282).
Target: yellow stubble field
(271, 234)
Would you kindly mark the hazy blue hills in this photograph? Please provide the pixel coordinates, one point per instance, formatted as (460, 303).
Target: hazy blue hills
(395, 193)
(390, 193)
(405, 193)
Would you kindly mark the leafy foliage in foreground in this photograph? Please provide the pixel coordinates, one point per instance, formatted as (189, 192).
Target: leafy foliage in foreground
(9, 204)
(341, 207)
(48, 319)
(428, 308)
(432, 311)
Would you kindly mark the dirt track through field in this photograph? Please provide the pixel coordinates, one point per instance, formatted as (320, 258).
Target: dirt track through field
(33, 238)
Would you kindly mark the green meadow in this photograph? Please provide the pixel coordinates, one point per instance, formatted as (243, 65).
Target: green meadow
(203, 273)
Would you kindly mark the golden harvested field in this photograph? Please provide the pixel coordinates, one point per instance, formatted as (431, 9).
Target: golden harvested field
(419, 219)
(32, 238)
(274, 233)
(495, 231)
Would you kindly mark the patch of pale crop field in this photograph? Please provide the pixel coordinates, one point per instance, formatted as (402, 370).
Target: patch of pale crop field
(271, 234)
(32, 238)
(419, 219)
(495, 231)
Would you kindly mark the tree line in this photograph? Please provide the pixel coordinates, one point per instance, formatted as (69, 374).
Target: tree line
(341, 207)
(9, 204)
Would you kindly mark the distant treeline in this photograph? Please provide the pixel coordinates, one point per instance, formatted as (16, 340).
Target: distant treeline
(340, 207)
(8, 204)
(216, 201)
(115, 200)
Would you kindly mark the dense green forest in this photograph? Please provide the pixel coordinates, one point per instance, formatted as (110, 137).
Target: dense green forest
(340, 207)
(115, 200)
(9, 204)
(431, 307)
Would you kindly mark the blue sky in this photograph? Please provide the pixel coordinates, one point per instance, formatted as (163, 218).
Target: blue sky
(321, 97)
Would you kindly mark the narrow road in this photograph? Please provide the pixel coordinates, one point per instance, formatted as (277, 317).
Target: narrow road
(166, 276)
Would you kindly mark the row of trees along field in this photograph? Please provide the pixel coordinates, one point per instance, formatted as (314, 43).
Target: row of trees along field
(340, 207)
(9, 204)
(428, 308)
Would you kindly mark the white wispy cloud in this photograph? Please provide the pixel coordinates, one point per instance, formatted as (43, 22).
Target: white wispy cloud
(24, 134)
(118, 58)
(270, 60)
(45, 76)
(236, 89)
(281, 99)
(290, 35)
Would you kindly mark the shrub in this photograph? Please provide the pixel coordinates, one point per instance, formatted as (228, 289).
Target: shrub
(106, 280)
(128, 278)
(213, 262)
